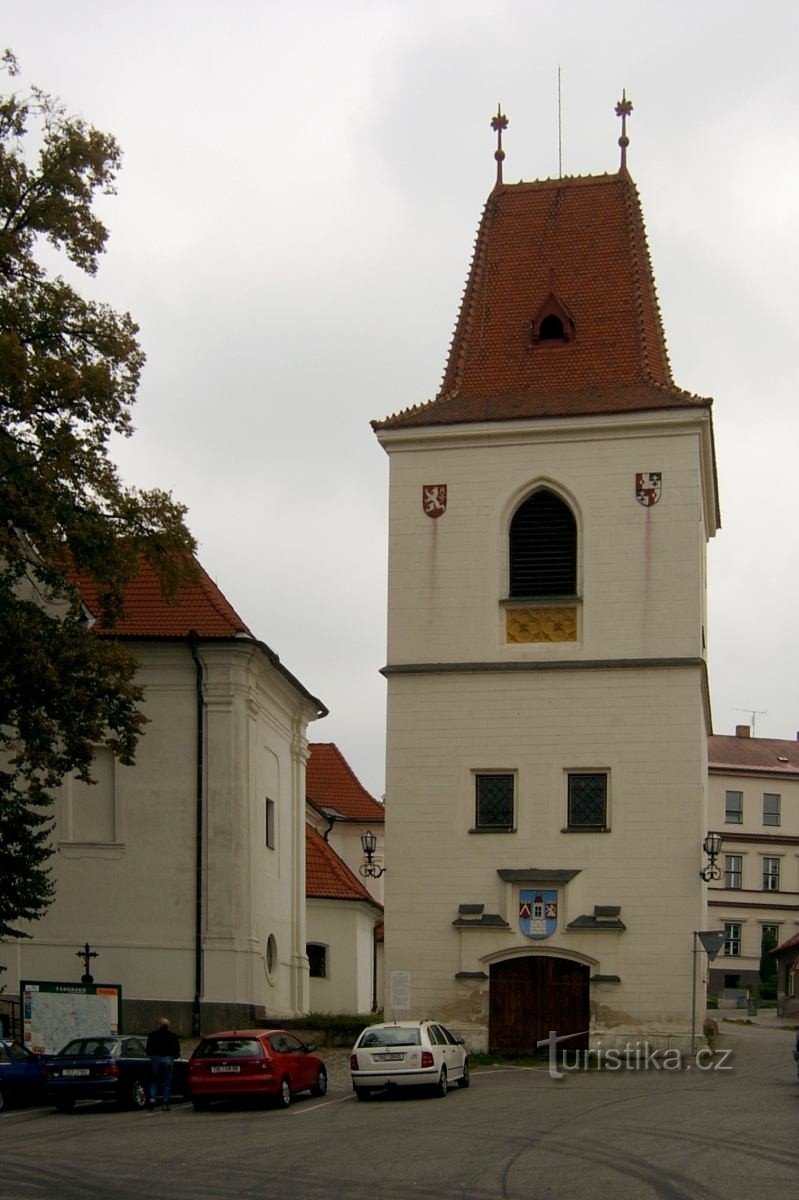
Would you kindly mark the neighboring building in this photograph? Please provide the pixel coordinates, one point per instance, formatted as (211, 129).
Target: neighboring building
(754, 805)
(186, 872)
(548, 709)
(342, 942)
(344, 908)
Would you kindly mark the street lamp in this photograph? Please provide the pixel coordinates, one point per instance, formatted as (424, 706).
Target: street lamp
(711, 846)
(369, 868)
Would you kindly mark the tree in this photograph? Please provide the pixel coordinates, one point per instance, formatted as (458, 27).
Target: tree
(69, 372)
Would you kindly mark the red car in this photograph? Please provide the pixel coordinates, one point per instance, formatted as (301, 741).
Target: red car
(254, 1062)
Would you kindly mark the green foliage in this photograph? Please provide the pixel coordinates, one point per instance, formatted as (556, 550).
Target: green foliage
(69, 371)
(768, 963)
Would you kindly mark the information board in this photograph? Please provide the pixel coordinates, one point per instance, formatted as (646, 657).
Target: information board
(53, 1013)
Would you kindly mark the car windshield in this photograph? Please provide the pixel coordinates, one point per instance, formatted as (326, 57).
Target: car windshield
(229, 1048)
(392, 1035)
(92, 1047)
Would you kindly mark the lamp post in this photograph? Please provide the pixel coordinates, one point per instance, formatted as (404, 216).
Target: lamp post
(712, 847)
(369, 868)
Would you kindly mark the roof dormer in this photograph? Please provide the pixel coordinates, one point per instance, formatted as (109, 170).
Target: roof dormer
(552, 324)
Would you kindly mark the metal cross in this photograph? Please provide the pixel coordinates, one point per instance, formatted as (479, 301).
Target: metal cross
(498, 124)
(86, 954)
(623, 110)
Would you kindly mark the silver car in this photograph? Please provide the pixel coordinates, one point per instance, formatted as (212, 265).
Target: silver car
(408, 1054)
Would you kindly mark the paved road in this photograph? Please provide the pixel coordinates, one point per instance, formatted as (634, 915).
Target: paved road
(516, 1134)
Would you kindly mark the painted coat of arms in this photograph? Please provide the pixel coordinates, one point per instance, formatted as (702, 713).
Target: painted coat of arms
(538, 913)
(434, 499)
(648, 486)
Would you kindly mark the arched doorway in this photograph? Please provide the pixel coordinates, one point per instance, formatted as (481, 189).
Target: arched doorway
(532, 994)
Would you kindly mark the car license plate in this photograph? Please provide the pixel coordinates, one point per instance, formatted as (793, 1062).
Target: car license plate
(390, 1057)
(228, 1069)
(75, 1071)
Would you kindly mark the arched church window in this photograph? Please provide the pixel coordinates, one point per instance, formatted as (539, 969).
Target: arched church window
(543, 547)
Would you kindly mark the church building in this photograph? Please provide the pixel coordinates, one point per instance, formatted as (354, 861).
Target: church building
(548, 706)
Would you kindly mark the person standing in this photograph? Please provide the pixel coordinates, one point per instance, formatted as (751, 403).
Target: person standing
(163, 1047)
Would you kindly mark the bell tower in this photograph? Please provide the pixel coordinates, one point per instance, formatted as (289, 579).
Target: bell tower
(548, 706)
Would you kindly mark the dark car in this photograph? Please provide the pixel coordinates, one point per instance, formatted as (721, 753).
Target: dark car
(115, 1067)
(270, 1063)
(21, 1075)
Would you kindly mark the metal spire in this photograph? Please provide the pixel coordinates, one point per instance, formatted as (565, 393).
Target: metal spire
(498, 124)
(623, 110)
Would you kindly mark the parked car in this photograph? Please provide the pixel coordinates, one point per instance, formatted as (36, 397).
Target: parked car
(254, 1062)
(21, 1075)
(408, 1054)
(112, 1067)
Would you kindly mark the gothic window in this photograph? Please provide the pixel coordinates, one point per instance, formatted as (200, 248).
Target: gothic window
(543, 547)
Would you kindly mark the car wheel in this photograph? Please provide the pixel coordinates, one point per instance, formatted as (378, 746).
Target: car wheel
(465, 1078)
(362, 1093)
(2, 1100)
(283, 1098)
(65, 1104)
(136, 1096)
(201, 1104)
(320, 1087)
(442, 1087)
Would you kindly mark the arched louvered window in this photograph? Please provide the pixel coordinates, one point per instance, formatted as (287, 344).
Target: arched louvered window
(543, 548)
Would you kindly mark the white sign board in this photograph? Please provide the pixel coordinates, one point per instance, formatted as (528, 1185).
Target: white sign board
(53, 1013)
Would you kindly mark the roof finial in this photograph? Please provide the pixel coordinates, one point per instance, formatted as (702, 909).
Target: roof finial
(498, 123)
(623, 110)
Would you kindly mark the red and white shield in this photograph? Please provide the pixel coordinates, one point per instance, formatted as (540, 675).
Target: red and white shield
(648, 486)
(434, 499)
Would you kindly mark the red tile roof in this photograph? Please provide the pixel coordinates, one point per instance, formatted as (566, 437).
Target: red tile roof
(327, 877)
(331, 783)
(749, 754)
(583, 241)
(792, 943)
(198, 606)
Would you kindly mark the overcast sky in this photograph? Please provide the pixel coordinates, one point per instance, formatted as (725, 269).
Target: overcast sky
(300, 191)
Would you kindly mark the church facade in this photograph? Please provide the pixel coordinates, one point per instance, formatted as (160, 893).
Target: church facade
(548, 711)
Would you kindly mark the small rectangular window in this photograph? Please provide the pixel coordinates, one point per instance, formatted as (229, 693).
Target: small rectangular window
(494, 802)
(733, 808)
(317, 960)
(588, 800)
(732, 939)
(771, 809)
(771, 874)
(733, 869)
(270, 823)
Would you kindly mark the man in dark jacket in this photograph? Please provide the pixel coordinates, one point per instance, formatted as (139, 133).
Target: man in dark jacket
(163, 1047)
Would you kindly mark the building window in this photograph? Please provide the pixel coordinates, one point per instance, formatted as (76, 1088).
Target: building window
(733, 808)
(543, 548)
(494, 802)
(588, 800)
(771, 809)
(733, 868)
(732, 939)
(317, 960)
(271, 957)
(771, 874)
(270, 823)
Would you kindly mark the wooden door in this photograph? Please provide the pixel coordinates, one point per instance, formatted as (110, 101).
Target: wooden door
(531, 995)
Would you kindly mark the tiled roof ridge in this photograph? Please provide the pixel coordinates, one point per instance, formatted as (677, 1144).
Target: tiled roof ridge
(644, 284)
(214, 594)
(453, 372)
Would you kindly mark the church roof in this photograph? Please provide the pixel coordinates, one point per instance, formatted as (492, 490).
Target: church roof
(575, 247)
(327, 877)
(332, 786)
(199, 606)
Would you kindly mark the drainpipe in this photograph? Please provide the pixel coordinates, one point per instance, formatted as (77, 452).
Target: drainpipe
(374, 967)
(194, 642)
